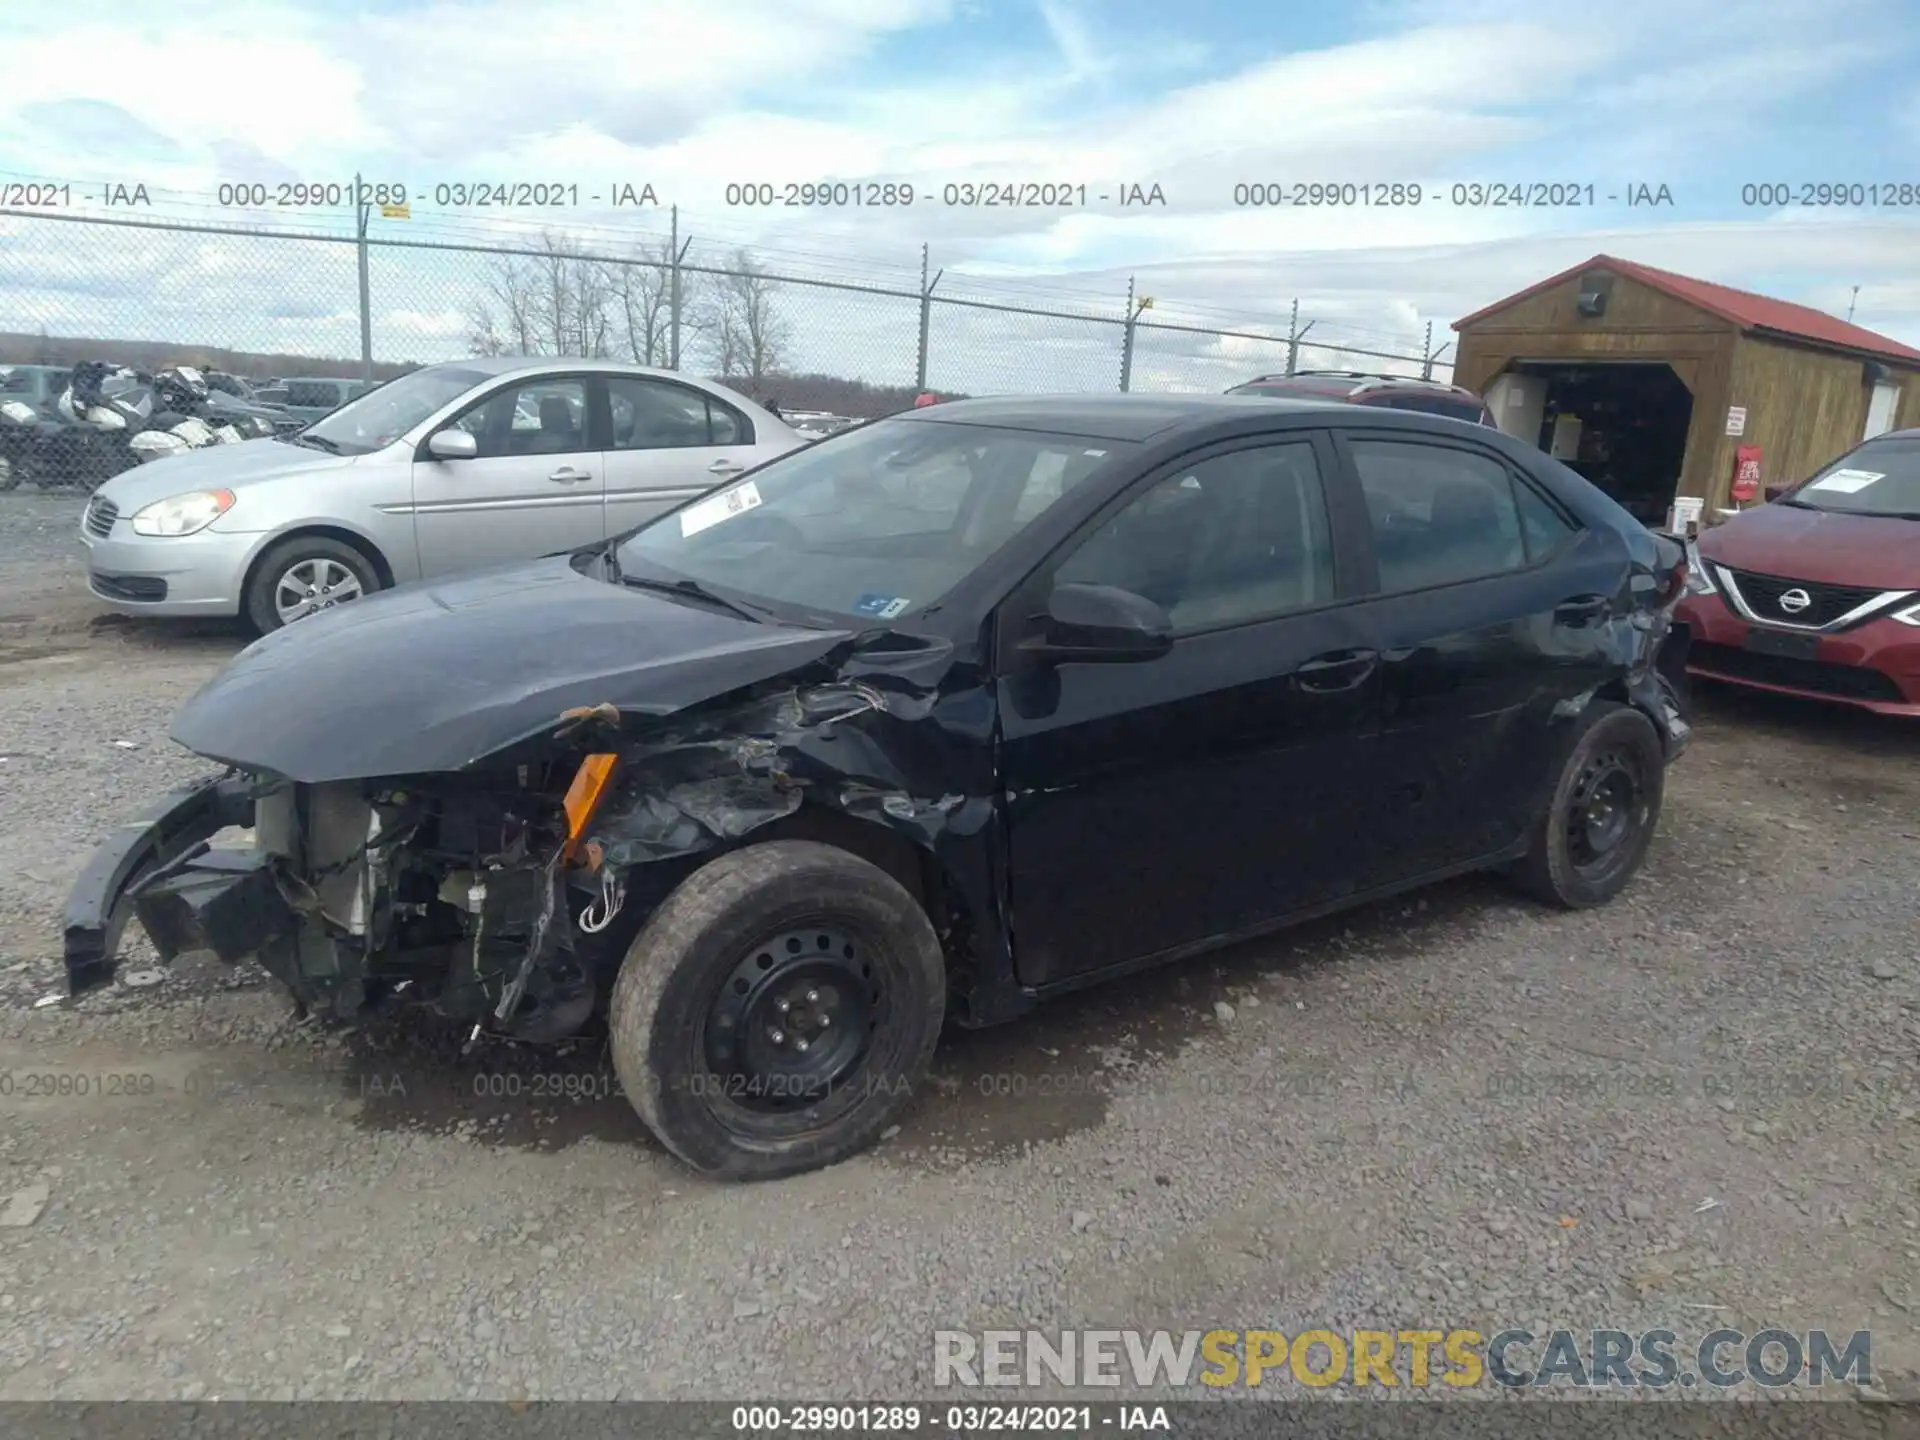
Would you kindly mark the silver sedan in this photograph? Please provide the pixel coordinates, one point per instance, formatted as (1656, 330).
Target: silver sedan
(448, 468)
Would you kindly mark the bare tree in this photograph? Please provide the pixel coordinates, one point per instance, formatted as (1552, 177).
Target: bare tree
(642, 293)
(737, 314)
(557, 302)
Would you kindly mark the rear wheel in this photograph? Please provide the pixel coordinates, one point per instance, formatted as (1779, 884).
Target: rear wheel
(304, 575)
(777, 1010)
(1601, 820)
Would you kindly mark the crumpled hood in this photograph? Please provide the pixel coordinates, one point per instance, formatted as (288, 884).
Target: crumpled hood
(1820, 545)
(434, 677)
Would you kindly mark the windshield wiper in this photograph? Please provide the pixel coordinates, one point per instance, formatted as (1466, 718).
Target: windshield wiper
(315, 442)
(694, 590)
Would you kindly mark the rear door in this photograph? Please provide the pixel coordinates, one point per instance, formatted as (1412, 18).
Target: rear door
(534, 488)
(668, 442)
(1489, 613)
(1155, 804)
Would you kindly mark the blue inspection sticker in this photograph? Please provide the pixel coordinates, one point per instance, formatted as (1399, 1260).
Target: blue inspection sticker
(883, 607)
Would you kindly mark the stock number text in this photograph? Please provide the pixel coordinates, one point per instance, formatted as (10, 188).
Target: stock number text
(1273, 194)
(839, 194)
(304, 194)
(1893, 194)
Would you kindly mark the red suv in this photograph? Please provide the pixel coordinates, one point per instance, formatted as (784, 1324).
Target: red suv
(1357, 387)
(1818, 592)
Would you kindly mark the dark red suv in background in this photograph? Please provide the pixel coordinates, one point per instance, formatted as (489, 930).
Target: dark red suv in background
(1817, 593)
(1356, 387)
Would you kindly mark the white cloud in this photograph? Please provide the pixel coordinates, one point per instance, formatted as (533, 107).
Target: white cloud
(692, 94)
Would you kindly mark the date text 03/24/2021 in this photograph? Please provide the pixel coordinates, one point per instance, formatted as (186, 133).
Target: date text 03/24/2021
(1012, 1419)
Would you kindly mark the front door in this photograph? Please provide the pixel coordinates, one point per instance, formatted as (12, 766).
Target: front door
(534, 488)
(1489, 615)
(1151, 805)
(669, 442)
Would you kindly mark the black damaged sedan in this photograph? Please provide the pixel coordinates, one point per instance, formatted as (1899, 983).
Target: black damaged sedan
(926, 722)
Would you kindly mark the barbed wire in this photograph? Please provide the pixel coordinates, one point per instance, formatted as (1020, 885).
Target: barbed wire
(852, 260)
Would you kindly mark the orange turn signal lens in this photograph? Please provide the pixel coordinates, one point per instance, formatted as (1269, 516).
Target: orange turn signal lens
(584, 795)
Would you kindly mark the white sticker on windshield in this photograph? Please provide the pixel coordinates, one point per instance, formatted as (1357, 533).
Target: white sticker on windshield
(715, 508)
(1096, 454)
(1848, 481)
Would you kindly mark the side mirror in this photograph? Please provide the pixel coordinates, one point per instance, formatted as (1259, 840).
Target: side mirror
(1774, 492)
(1098, 623)
(453, 445)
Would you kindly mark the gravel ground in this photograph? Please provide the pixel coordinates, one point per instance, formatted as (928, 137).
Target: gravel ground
(1456, 1109)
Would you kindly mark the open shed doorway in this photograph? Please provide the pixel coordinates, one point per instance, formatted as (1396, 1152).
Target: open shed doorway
(1621, 424)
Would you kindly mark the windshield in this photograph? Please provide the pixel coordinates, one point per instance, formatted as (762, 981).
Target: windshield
(382, 416)
(1882, 477)
(875, 522)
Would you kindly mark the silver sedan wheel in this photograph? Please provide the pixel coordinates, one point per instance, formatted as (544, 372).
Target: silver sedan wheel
(310, 585)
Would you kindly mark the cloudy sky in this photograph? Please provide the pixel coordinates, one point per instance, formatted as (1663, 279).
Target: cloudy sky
(1703, 97)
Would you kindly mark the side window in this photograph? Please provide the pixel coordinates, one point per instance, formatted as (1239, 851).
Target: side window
(541, 417)
(653, 415)
(1237, 537)
(1542, 526)
(727, 426)
(1440, 515)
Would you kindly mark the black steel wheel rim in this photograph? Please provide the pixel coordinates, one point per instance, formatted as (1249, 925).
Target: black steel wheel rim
(1608, 809)
(794, 1019)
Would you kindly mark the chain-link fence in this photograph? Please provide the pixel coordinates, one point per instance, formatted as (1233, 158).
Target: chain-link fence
(265, 305)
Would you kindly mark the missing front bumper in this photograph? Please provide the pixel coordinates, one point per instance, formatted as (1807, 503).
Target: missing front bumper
(175, 830)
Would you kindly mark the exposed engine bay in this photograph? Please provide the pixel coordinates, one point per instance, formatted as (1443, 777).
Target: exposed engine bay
(455, 897)
(492, 896)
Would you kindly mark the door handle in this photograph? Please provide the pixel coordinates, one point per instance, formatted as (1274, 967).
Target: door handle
(567, 475)
(725, 467)
(1580, 609)
(1336, 670)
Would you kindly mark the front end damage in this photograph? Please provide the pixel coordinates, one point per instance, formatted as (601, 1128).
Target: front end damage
(502, 895)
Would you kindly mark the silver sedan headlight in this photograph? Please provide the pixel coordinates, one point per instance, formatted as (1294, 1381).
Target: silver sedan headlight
(182, 514)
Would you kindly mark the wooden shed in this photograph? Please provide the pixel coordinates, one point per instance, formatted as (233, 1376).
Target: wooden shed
(1647, 382)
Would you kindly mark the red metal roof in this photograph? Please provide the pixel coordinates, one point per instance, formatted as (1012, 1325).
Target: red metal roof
(1740, 307)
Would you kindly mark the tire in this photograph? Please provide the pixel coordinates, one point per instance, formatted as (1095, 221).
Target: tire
(328, 557)
(679, 996)
(1563, 866)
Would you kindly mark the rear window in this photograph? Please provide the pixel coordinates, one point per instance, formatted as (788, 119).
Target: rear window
(313, 392)
(1296, 389)
(1455, 407)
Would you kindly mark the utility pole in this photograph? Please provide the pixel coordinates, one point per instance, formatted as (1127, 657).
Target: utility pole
(678, 252)
(1296, 332)
(926, 317)
(362, 213)
(1851, 303)
(1134, 309)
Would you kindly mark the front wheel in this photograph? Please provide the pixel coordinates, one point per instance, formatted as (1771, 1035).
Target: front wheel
(777, 1010)
(305, 575)
(1601, 819)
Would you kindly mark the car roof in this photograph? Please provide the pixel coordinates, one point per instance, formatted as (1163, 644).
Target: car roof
(512, 364)
(1352, 380)
(1108, 417)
